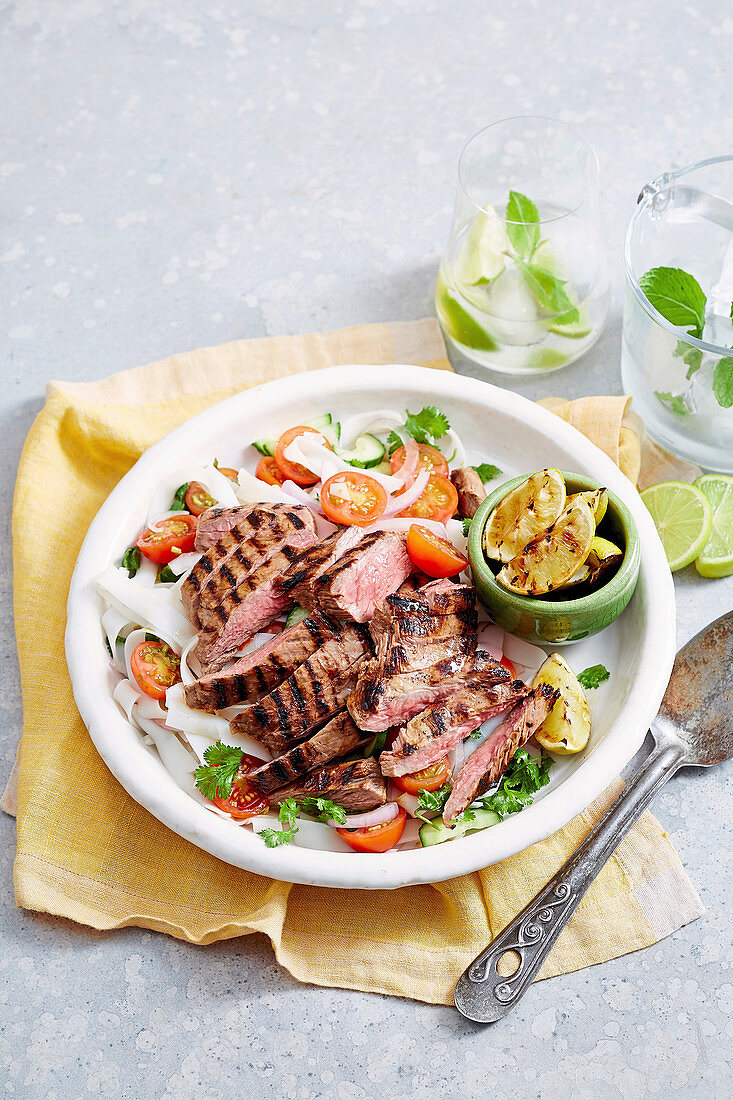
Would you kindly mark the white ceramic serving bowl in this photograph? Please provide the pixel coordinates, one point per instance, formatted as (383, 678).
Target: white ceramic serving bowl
(495, 426)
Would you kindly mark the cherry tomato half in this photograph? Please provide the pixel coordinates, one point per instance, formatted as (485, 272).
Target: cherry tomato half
(168, 538)
(429, 779)
(375, 838)
(155, 667)
(245, 800)
(430, 459)
(294, 471)
(269, 471)
(228, 472)
(508, 666)
(438, 502)
(198, 499)
(435, 556)
(353, 498)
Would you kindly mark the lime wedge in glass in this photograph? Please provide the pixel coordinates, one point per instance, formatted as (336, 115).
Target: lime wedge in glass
(481, 257)
(580, 325)
(459, 323)
(716, 560)
(683, 518)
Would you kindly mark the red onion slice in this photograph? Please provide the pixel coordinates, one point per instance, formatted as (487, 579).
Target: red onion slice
(380, 816)
(408, 469)
(492, 640)
(298, 493)
(404, 500)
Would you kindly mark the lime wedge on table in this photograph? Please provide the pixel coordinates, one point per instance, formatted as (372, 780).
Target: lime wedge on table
(716, 559)
(459, 323)
(683, 518)
(481, 257)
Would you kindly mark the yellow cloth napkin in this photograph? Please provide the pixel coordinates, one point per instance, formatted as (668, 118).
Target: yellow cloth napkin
(88, 852)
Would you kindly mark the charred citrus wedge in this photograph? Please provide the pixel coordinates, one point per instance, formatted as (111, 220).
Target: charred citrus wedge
(524, 514)
(550, 560)
(598, 500)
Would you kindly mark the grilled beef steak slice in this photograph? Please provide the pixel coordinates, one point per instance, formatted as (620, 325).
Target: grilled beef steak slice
(264, 530)
(470, 489)
(359, 580)
(426, 643)
(216, 522)
(315, 691)
(337, 738)
(489, 761)
(357, 785)
(254, 603)
(299, 579)
(264, 668)
(431, 734)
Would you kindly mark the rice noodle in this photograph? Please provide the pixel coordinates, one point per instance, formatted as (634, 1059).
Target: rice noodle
(491, 638)
(183, 563)
(307, 451)
(251, 490)
(383, 420)
(116, 624)
(523, 653)
(147, 606)
(182, 717)
(219, 487)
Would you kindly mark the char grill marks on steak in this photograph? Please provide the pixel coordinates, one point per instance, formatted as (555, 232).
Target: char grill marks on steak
(424, 644)
(489, 761)
(264, 668)
(337, 738)
(357, 785)
(299, 579)
(357, 582)
(245, 609)
(216, 522)
(316, 690)
(428, 736)
(261, 533)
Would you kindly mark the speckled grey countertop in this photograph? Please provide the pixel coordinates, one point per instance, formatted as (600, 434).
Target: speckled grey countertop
(176, 175)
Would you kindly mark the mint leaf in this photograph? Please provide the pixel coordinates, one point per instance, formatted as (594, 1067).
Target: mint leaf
(723, 382)
(548, 292)
(522, 224)
(593, 676)
(691, 356)
(131, 560)
(677, 295)
(486, 471)
(178, 504)
(217, 775)
(731, 313)
(165, 575)
(673, 401)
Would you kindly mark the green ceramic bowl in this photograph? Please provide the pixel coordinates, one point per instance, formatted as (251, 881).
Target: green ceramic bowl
(558, 621)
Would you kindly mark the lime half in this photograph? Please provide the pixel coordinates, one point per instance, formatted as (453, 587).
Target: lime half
(683, 518)
(459, 323)
(481, 257)
(716, 559)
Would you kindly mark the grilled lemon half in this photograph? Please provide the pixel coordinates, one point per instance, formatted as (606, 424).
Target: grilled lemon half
(550, 560)
(567, 727)
(523, 514)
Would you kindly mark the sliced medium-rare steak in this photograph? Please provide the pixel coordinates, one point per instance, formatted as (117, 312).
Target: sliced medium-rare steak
(337, 738)
(264, 668)
(470, 489)
(439, 728)
(489, 761)
(357, 785)
(263, 530)
(424, 643)
(316, 690)
(360, 579)
(299, 580)
(216, 522)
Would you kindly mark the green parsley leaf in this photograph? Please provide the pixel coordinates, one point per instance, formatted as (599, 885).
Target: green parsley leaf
(675, 402)
(432, 801)
(427, 425)
(677, 295)
(519, 784)
(466, 527)
(486, 471)
(131, 560)
(217, 775)
(166, 575)
(723, 382)
(522, 224)
(548, 292)
(691, 356)
(178, 503)
(593, 676)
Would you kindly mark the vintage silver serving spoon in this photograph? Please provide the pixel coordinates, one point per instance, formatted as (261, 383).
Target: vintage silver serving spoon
(694, 727)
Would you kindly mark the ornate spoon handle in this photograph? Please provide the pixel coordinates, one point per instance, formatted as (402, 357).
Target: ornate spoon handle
(482, 994)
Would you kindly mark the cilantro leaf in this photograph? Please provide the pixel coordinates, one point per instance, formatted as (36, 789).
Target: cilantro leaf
(486, 471)
(473, 736)
(165, 575)
(320, 808)
(394, 442)
(178, 504)
(675, 402)
(521, 781)
(426, 425)
(549, 292)
(522, 224)
(723, 382)
(131, 560)
(677, 295)
(432, 801)
(593, 676)
(466, 527)
(274, 837)
(215, 777)
(323, 809)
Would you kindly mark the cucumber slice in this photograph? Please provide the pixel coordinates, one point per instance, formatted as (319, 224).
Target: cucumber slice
(325, 423)
(296, 616)
(366, 452)
(435, 832)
